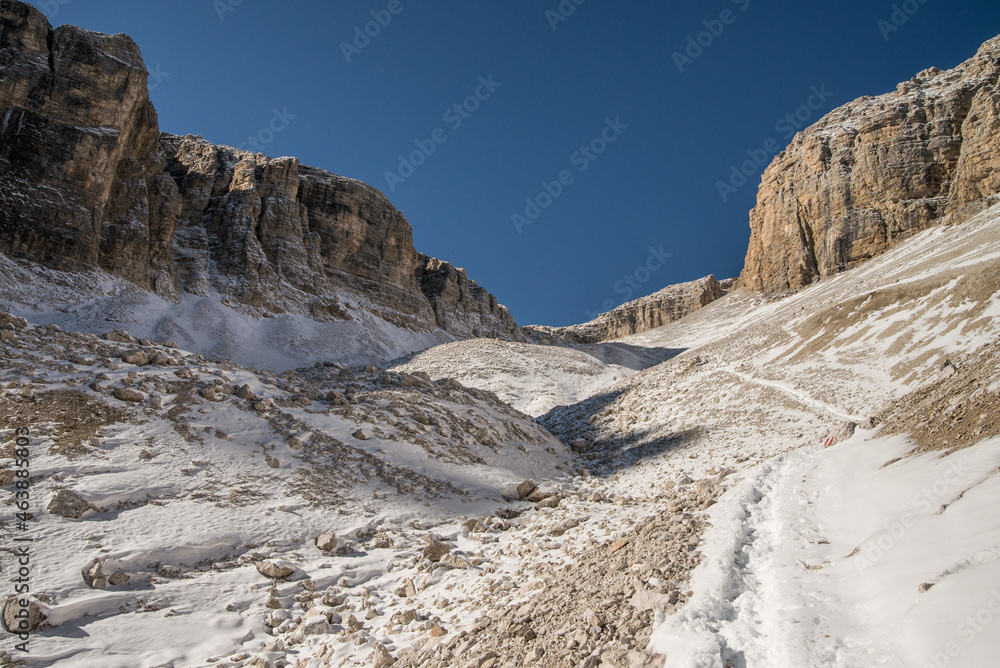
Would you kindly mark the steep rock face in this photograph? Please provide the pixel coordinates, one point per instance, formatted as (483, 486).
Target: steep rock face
(79, 155)
(276, 235)
(668, 305)
(87, 181)
(875, 170)
(460, 305)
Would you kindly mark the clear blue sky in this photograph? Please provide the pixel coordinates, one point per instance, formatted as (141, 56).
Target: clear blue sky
(654, 186)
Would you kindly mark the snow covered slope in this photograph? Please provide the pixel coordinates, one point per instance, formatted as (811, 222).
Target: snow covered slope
(853, 556)
(535, 378)
(212, 325)
(179, 504)
(179, 476)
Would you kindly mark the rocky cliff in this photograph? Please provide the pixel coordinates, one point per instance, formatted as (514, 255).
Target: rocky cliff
(88, 182)
(875, 170)
(660, 308)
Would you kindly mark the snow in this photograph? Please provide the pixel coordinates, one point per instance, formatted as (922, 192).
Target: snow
(865, 553)
(534, 378)
(209, 324)
(818, 556)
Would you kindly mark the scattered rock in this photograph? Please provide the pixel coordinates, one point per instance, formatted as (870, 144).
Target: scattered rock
(315, 625)
(380, 657)
(550, 502)
(526, 488)
(67, 503)
(130, 394)
(120, 336)
(327, 542)
(275, 570)
(408, 590)
(436, 550)
(21, 619)
(244, 392)
(136, 357)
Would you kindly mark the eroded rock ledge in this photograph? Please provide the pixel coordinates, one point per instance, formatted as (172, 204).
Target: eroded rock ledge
(660, 308)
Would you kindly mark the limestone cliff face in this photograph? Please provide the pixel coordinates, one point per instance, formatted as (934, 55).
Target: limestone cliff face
(460, 305)
(876, 170)
(79, 155)
(660, 308)
(277, 235)
(87, 181)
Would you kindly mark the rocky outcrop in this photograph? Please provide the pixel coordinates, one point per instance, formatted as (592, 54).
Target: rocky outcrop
(88, 182)
(460, 305)
(81, 172)
(660, 308)
(277, 235)
(876, 170)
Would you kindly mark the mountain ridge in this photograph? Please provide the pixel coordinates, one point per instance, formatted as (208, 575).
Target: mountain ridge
(91, 183)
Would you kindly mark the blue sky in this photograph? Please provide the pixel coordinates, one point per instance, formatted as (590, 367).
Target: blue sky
(582, 165)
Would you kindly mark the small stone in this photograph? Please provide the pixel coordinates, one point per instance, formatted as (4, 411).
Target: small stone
(67, 503)
(327, 542)
(15, 619)
(275, 570)
(380, 657)
(120, 336)
(456, 561)
(435, 551)
(130, 395)
(315, 625)
(408, 590)
(118, 578)
(537, 496)
(617, 545)
(526, 488)
(244, 392)
(136, 357)
(550, 502)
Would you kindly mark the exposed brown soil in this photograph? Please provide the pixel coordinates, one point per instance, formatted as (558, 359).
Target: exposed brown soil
(956, 410)
(69, 417)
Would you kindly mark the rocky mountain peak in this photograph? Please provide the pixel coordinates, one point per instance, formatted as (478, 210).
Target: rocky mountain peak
(876, 170)
(89, 183)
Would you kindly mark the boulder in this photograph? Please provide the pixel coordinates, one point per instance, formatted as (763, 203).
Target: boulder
(275, 570)
(327, 542)
(67, 503)
(20, 618)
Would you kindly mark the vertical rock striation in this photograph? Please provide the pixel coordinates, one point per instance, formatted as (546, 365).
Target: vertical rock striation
(88, 182)
(875, 170)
